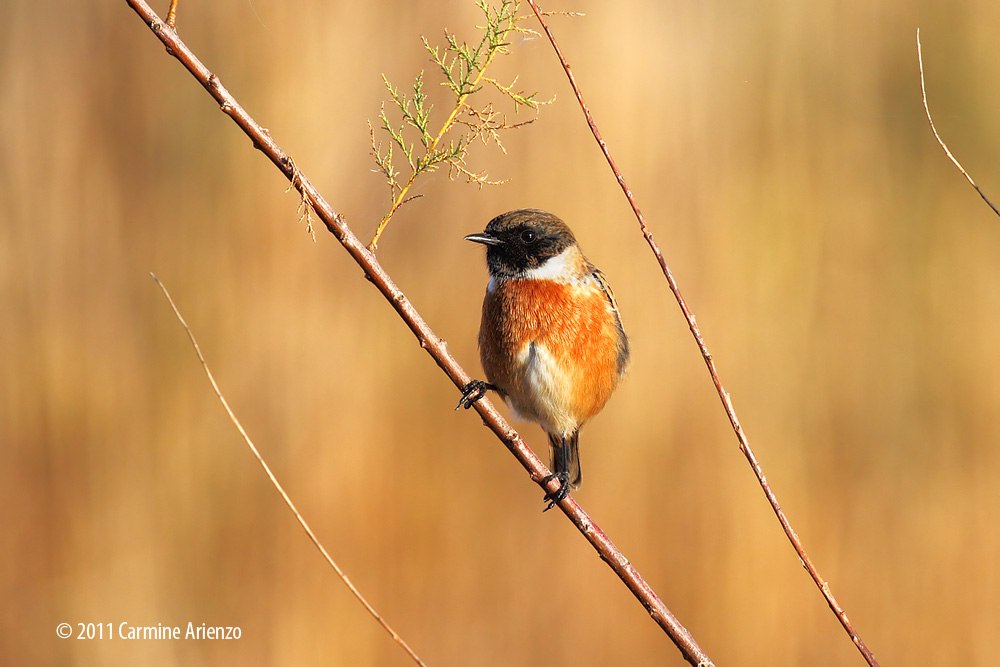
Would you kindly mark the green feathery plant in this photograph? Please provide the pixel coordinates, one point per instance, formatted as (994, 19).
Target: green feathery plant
(464, 70)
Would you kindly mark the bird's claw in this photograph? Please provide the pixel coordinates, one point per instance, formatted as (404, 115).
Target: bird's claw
(472, 392)
(556, 496)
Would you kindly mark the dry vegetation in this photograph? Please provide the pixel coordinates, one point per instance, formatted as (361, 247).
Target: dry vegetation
(844, 274)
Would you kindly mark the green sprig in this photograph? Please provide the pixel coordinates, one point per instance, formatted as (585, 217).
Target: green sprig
(463, 69)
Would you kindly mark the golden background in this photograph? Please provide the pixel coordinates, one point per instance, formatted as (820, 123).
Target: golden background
(846, 278)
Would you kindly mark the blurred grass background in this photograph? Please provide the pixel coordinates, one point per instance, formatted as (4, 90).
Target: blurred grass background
(844, 274)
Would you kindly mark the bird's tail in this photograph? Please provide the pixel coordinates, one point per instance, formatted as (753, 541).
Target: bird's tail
(565, 457)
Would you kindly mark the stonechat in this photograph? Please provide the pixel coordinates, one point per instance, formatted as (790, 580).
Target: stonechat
(551, 339)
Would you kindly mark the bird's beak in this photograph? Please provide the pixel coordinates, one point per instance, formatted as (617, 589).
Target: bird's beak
(483, 238)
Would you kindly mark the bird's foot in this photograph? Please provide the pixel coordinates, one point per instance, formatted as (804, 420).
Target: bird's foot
(556, 496)
(474, 391)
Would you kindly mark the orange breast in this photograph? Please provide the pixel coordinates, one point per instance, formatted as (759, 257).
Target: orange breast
(575, 332)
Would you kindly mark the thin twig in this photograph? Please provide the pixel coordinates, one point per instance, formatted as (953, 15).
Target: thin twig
(823, 586)
(274, 480)
(923, 94)
(433, 344)
(172, 14)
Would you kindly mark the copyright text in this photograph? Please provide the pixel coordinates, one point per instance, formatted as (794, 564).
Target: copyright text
(125, 630)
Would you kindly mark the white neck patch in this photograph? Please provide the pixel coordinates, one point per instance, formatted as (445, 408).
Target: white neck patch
(563, 268)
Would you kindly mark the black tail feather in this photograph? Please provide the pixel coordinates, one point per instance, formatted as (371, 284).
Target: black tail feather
(564, 456)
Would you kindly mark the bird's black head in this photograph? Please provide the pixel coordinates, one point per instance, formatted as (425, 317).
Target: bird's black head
(521, 240)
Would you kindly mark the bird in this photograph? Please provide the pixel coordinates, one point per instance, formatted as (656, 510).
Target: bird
(551, 339)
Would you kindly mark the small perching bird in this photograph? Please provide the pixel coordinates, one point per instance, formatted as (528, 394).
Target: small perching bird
(551, 339)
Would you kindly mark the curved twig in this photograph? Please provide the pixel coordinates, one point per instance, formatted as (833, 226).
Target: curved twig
(927, 111)
(274, 481)
(426, 337)
(727, 403)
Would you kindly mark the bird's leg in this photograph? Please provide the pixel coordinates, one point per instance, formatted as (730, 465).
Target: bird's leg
(561, 474)
(473, 391)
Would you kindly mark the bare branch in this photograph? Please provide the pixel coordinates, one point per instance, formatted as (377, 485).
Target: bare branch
(434, 345)
(923, 94)
(274, 480)
(727, 404)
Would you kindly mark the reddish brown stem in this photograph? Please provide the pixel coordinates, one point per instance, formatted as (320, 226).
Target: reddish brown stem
(823, 586)
(426, 337)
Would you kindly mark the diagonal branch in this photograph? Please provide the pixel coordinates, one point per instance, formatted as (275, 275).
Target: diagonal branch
(927, 111)
(727, 403)
(435, 346)
(274, 480)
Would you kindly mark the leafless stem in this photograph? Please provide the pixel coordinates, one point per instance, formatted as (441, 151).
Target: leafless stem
(823, 586)
(274, 480)
(172, 14)
(923, 94)
(426, 337)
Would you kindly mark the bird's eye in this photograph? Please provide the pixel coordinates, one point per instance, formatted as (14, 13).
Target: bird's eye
(528, 236)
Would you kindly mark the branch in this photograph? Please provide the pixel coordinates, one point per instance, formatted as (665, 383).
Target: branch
(274, 480)
(727, 404)
(923, 94)
(435, 346)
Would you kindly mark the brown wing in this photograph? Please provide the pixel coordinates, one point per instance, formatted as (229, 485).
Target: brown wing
(623, 351)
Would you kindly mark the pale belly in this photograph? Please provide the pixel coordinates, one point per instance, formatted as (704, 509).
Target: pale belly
(545, 393)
